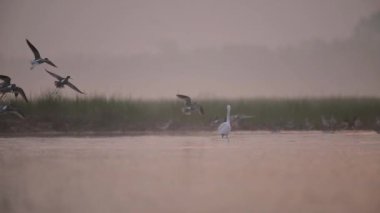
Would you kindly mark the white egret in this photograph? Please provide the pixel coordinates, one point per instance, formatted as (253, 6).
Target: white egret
(225, 128)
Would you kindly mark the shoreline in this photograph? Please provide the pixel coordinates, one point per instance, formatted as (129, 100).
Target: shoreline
(53, 134)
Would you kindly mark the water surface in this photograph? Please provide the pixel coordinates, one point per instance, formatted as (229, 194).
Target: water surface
(255, 172)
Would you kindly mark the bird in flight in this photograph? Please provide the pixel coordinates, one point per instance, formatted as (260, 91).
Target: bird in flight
(37, 57)
(7, 109)
(63, 81)
(190, 106)
(7, 87)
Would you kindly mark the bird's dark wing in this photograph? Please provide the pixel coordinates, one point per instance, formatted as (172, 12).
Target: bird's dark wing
(74, 87)
(50, 62)
(186, 98)
(201, 111)
(34, 49)
(54, 75)
(5, 78)
(18, 113)
(242, 117)
(3, 108)
(21, 91)
(10, 109)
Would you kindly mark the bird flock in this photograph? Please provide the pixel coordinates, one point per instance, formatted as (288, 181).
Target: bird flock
(38, 60)
(7, 86)
(189, 107)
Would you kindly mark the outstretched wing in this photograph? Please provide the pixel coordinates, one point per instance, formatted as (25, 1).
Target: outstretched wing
(246, 116)
(241, 117)
(5, 78)
(186, 98)
(201, 111)
(54, 75)
(74, 87)
(18, 113)
(19, 90)
(34, 49)
(50, 62)
(10, 109)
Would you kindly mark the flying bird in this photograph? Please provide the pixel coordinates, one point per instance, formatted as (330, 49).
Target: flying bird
(63, 81)
(7, 109)
(37, 57)
(225, 128)
(7, 87)
(190, 106)
(6, 81)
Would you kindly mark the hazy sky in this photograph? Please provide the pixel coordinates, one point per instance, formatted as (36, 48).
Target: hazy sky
(83, 36)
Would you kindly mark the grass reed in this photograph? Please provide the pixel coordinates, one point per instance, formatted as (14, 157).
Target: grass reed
(53, 112)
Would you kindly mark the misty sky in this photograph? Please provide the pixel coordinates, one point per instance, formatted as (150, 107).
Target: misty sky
(157, 48)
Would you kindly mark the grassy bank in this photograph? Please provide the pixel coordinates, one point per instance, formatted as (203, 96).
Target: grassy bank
(56, 113)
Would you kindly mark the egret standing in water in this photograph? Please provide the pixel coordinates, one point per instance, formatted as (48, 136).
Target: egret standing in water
(225, 128)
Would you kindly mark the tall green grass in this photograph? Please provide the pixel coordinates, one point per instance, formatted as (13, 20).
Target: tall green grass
(53, 112)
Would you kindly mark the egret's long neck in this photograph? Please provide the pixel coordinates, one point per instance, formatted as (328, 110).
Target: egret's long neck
(228, 114)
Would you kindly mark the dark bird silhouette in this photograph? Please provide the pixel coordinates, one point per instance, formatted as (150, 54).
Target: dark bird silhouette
(63, 81)
(7, 109)
(37, 57)
(6, 81)
(190, 106)
(7, 87)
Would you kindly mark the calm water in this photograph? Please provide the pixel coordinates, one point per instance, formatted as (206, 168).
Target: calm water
(255, 172)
